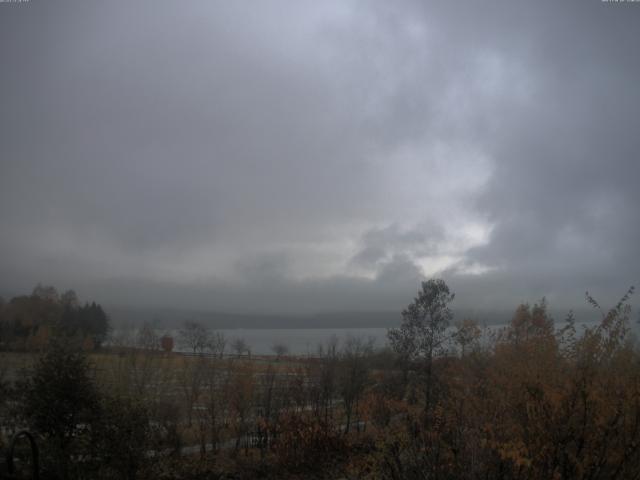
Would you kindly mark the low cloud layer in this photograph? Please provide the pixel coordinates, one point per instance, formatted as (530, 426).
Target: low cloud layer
(319, 156)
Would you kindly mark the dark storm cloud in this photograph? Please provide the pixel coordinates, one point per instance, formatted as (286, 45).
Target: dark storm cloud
(290, 156)
(563, 194)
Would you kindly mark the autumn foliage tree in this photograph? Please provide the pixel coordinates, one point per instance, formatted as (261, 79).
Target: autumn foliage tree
(28, 322)
(542, 401)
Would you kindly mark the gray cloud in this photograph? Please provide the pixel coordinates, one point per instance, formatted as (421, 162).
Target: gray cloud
(381, 244)
(318, 155)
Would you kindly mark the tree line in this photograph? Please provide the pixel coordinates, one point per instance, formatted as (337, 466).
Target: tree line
(28, 322)
(449, 399)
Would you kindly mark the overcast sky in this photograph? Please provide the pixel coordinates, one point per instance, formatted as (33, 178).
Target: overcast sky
(319, 156)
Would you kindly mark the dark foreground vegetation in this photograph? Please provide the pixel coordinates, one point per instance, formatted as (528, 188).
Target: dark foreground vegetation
(533, 400)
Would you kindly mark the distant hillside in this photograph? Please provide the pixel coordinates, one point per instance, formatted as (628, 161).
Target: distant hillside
(173, 318)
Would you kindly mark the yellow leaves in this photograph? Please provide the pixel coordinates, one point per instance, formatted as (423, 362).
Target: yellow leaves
(40, 339)
(377, 408)
(516, 452)
(303, 441)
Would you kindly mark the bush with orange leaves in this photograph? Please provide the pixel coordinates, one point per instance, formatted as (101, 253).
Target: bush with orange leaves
(539, 403)
(303, 442)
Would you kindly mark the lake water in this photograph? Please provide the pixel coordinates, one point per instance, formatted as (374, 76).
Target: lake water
(300, 341)
(305, 341)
